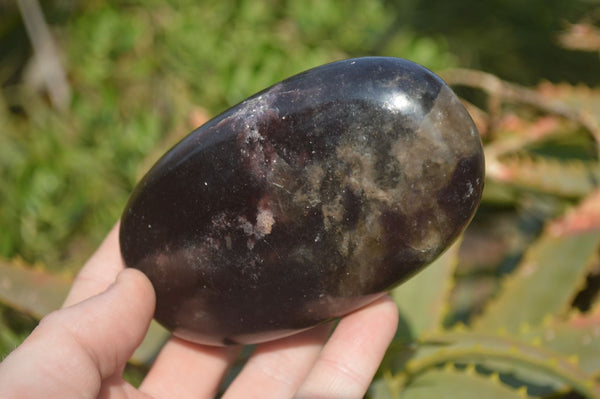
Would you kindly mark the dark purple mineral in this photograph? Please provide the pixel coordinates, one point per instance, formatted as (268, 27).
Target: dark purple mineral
(304, 202)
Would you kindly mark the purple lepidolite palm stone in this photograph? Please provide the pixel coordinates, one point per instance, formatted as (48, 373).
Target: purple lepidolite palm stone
(304, 202)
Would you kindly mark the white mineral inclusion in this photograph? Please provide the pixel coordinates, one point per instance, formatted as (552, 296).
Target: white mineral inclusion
(264, 221)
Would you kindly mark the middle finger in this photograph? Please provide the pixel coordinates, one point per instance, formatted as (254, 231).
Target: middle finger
(187, 370)
(276, 369)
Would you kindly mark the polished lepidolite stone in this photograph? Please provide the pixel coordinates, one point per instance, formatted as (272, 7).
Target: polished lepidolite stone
(304, 202)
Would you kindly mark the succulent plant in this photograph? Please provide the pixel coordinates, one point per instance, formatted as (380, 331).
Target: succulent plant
(535, 330)
(512, 308)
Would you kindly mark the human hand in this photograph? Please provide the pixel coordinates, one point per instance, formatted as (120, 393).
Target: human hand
(80, 351)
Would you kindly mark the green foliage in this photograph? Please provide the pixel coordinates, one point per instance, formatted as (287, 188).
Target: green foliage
(551, 272)
(431, 286)
(511, 310)
(139, 71)
(534, 335)
(34, 291)
(528, 338)
(449, 383)
(142, 75)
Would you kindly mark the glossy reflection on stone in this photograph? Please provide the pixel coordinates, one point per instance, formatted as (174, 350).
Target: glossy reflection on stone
(304, 202)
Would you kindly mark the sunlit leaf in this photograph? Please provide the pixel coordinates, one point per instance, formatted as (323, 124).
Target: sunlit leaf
(421, 299)
(545, 282)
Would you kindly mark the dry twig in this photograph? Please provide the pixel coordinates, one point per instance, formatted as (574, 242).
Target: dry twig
(46, 69)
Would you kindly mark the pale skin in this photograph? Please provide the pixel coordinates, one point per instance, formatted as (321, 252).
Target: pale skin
(80, 350)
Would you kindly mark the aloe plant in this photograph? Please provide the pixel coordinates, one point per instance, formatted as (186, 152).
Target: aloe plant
(528, 341)
(511, 310)
(535, 335)
(535, 332)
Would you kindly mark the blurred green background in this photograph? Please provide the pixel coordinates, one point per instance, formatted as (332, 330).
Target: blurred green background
(139, 75)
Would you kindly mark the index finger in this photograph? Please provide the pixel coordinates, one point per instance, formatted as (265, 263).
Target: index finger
(99, 271)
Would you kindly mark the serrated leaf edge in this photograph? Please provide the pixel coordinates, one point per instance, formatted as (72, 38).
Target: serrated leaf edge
(480, 347)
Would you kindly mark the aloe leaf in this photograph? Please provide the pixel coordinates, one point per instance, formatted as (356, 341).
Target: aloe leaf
(380, 389)
(533, 364)
(496, 192)
(585, 217)
(37, 292)
(449, 383)
(31, 290)
(573, 178)
(577, 339)
(155, 338)
(421, 299)
(544, 283)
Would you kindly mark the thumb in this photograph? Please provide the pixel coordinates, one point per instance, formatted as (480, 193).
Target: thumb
(73, 349)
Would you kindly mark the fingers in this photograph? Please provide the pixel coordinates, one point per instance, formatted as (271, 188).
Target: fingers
(344, 367)
(352, 355)
(108, 326)
(276, 369)
(185, 370)
(74, 349)
(99, 271)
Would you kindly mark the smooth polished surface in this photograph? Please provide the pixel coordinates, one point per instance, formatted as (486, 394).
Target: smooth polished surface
(304, 202)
